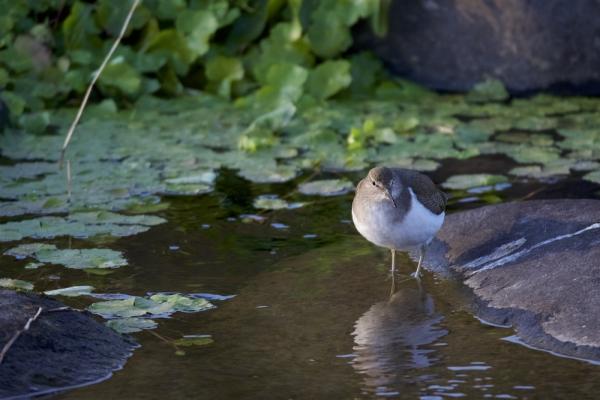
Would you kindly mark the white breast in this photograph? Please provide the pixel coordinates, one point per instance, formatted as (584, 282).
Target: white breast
(418, 227)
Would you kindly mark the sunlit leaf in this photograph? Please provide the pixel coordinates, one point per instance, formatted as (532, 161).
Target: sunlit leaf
(326, 187)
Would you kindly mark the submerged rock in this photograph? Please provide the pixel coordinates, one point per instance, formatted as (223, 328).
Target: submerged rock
(529, 45)
(62, 348)
(533, 265)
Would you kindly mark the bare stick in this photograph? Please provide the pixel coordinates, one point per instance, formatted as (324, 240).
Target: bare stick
(18, 333)
(94, 79)
(68, 181)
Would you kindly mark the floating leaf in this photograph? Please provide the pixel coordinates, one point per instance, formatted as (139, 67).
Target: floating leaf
(193, 340)
(130, 307)
(131, 325)
(70, 258)
(158, 305)
(87, 224)
(270, 202)
(593, 176)
(177, 302)
(72, 291)
(15, 284)
(486, 91)
(326, 187)
(277, 174)
(458, 182)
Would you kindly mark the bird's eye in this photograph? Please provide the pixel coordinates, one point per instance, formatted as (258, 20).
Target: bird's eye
(373, 182)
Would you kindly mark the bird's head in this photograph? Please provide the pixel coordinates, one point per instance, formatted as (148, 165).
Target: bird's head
(382, 178)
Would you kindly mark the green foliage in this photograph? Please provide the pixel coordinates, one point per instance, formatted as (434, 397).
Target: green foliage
(72, 291)
(70, 258)
(49, 51)
(473, 180)
(326, 187)
(15, 284)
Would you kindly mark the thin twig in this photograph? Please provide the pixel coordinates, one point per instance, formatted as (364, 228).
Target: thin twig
(69, 181)
(18, 333)
(94, 79)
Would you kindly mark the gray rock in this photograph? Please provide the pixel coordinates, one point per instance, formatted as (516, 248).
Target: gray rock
(529, 45)
(61, 350)
(534, 265)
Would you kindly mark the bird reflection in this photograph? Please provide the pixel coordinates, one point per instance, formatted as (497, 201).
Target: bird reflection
(393, 336)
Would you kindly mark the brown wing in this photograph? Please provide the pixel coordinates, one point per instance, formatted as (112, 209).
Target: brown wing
(426, 191)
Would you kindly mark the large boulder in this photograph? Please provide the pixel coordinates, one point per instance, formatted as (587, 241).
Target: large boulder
(529, 45)
(533, 265)
(62, 349)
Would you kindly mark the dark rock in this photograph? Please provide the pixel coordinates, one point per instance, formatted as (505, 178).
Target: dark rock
(61, 350)
(529, 45)
(533, 265)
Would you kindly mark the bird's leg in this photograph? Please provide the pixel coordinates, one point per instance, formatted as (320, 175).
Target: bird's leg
(393, 261)
(416, 274)
(393, 289)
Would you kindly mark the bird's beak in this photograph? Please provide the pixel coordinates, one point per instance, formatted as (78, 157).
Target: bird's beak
(389, 196)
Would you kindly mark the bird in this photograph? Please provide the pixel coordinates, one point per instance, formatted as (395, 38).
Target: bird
(399, 209)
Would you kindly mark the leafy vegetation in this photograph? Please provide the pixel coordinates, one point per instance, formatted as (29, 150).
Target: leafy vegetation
(263, 52)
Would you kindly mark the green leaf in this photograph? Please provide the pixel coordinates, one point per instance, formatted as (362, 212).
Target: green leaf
(131, 325)
(70, 258)
(458, 182)
(79, 28)
(171, 45)
(122, 76)
(130, 307)
(177, 302)
(193, 340)
(197, 26)
(593, 176)
(222, 72)
(72, 291)
(365, 70)
(283, 45)
(15, 284)
(487, 91)
(326, 187)
(329, 31)
(328, 78)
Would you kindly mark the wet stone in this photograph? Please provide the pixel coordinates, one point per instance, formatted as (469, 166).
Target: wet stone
(62, 349)
(532, 265)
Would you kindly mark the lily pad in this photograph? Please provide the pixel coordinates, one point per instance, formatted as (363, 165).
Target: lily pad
(326, 187)
(277, 174)
(270, 202)
(15, 284)
(72, 291)
(80, 225)
(162, 305)
(593, 176)
(486, 91)
(178, 302)
(194, 340)
(131, 307)
(461, 182)
(70, 258)
(131, 325)
(273, 202)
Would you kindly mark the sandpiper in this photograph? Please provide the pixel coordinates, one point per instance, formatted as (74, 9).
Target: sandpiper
(399, 209)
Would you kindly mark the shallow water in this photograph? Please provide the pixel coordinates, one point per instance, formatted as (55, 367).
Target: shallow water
(315, 313)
